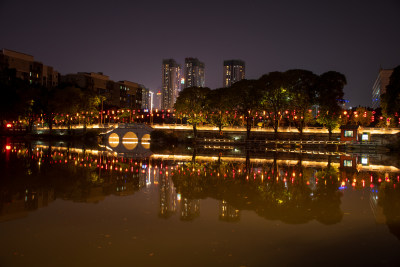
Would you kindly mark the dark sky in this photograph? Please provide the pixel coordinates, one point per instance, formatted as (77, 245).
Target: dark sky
(127, 40)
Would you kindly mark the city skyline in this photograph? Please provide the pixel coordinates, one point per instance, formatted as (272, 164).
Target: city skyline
(269, 36)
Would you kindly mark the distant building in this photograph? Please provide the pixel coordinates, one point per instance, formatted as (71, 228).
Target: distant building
(130, 95)
(146, 103)
(379, 87)
(171, 77)
(26, 68)
(123, 94)
(194, 73)
(234, 71)
(157, 100)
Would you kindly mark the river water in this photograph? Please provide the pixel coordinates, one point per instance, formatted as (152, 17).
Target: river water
(64, 205)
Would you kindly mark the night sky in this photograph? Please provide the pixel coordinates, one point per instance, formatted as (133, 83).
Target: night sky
(127, 40)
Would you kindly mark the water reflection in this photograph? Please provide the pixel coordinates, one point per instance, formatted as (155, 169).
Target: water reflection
(293, 190)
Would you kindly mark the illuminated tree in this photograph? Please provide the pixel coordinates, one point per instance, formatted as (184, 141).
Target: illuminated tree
(243, 98)
(217, 106)
(330, 94)
(276, 96)
(191, 102)
(362, 116)
(303, 95)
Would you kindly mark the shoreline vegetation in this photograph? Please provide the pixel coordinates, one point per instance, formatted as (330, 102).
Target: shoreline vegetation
(172, 138)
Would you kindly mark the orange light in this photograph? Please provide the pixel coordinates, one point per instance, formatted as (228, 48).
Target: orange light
(8, 147)
(9, 125)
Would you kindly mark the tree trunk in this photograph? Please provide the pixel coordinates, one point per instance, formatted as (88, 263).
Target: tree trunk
(275, 126)
(301, 133)
(195, 131)
(248, 128)
(330, 134)
(194, 156)
(248, 162)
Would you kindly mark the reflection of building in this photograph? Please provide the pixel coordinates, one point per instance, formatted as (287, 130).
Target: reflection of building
(234, 71)
(18, 205)
(228, 213)
(194, 73)
(190, 209)
(376, 209)
(171, 76)
(379, 87)
(348, 162)
(27, 69)
(168, 197)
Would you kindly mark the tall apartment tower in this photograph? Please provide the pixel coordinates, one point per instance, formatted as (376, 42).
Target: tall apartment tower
(194, 73)
(171, 76)
(379, 87)
(234, 71)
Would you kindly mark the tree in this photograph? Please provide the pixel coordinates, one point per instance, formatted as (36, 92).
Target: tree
(244, 99)
(191, 102)
(217, 105)
(391, 99)
(329, 95)
(330, 90)
(66, 100)
(275, 99)
(303, 95)
(362, 116)
(329, 120)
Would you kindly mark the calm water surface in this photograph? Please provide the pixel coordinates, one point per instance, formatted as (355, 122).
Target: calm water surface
(68, 206)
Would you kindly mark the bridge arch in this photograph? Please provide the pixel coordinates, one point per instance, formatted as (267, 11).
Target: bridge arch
(130, 140)
(127, 138)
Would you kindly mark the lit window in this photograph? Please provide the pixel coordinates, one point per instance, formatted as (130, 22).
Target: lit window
(348, 133)
(364, 161)
(347, 163)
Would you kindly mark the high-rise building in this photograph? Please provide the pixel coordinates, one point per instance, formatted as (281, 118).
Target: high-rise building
(158, 100)
(171, 77)
(145, 97)
(26, 68)
(194, 73)
(379, 87)
(234, 71)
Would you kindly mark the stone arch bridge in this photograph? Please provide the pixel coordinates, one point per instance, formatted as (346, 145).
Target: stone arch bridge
(129, 138)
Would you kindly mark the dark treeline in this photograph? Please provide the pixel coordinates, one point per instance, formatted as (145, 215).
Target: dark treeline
(30, 102)
(297, 98)
(287, 96)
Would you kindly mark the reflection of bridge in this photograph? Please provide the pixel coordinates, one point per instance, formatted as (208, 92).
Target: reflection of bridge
(129, 138)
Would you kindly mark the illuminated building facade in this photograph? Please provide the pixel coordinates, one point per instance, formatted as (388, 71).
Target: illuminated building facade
(27, 69)
(157, 100)
(171, 76)
(234, 71)
(194, 73)
(379, 87)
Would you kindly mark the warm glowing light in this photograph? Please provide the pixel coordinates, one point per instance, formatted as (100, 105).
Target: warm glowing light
(113, 140)
(130, 140)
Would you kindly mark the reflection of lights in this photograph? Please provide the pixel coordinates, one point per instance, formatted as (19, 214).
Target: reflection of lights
(178, 197)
